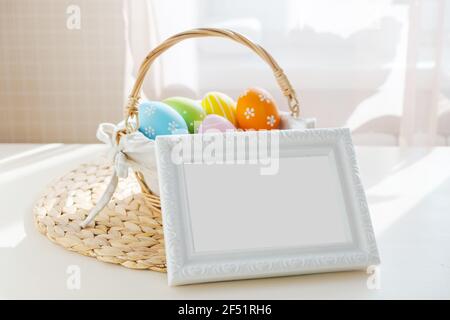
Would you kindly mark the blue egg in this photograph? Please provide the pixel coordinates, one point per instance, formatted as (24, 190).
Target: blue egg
(159, 119)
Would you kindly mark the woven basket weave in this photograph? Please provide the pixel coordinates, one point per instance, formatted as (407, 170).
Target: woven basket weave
(129, 230)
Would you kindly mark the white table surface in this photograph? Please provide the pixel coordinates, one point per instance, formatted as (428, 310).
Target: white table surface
(409, 198)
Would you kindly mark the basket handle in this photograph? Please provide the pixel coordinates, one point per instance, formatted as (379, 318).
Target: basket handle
(131, 109)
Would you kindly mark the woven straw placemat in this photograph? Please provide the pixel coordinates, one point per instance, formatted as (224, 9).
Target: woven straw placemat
(126, 232)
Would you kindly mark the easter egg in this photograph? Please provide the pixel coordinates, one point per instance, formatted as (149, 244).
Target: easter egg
(215, 122)
(158, 119)
(189, 109)
(256, 109)
(220, 104)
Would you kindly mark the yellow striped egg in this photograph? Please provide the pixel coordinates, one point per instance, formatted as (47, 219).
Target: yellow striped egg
(220, 104)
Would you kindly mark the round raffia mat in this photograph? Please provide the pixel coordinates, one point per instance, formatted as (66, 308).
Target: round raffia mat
(126, 232)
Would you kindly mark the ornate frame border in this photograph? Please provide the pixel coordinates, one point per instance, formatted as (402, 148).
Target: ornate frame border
(184, 268)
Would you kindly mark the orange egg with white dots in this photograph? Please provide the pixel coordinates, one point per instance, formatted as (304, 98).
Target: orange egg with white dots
(256, 109)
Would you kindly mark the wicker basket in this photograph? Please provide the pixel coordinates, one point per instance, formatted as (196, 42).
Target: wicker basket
(126, 232)
(131, 110)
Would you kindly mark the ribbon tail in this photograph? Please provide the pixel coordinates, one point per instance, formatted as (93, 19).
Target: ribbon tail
(103, 201)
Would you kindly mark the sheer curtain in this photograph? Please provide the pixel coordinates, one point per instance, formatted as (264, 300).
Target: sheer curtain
(380, 67)
(147, 24)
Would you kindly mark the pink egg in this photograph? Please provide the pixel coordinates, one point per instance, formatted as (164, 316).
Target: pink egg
(214, 123)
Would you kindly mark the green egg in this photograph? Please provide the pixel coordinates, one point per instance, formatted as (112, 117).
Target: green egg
(191, 111)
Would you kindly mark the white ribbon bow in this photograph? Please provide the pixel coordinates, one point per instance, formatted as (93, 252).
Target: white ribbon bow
(134, 151)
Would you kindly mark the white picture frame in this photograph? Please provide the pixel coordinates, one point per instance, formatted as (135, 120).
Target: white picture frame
(322, 224)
